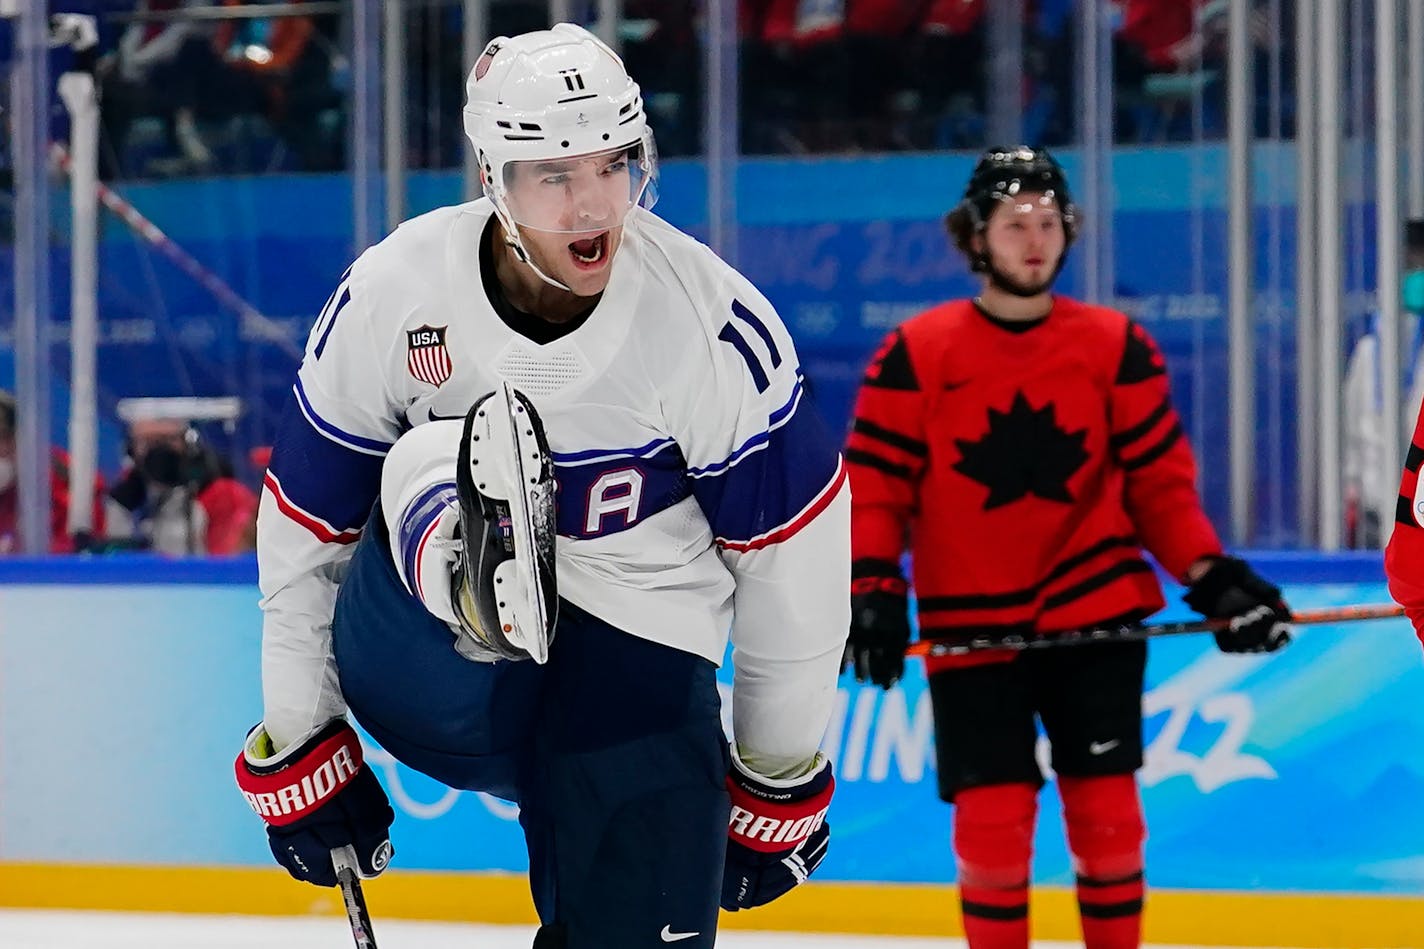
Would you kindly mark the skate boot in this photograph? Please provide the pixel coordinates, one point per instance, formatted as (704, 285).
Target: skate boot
(504, 591)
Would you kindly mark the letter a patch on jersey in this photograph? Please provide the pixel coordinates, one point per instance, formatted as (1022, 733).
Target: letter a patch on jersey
(428, 359)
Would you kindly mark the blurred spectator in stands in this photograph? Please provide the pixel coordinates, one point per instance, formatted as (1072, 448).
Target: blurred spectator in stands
(176, 495)
(1169, 52)
(196, 76)
(1164, 33)
(866, 88)
(436, 72)
(1371, 488)
(148, 76)
(280, 68)
(950, 65)
(660, 47)
(59, 542)
(793, 77)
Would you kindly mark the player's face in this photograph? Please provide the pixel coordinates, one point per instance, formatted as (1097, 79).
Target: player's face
(580, 261)
(570, 214)
(148, 434)
(1025, 241)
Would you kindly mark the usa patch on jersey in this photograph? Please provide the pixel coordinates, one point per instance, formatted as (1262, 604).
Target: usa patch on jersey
(427, 358)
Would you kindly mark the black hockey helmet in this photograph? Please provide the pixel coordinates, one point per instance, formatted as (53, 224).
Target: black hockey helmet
(1004, 171)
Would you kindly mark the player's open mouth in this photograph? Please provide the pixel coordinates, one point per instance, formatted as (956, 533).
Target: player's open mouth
(588, 254)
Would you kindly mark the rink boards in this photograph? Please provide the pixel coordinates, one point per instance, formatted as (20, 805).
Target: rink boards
(1282, 792)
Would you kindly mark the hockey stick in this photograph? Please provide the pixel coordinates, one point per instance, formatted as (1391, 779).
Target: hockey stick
(1114, 634)
(344, 860)
(256, 321)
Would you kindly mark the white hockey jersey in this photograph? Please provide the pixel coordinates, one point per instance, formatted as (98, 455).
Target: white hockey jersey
(1367, 481)
(699, 493)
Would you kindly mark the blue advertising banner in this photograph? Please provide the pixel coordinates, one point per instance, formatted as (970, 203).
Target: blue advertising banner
(122, 707)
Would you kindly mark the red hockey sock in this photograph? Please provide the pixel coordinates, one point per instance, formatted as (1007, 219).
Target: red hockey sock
(1105, 832)
(993, 842)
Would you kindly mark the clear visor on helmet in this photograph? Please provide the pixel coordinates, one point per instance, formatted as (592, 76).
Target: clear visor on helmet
(581, 194)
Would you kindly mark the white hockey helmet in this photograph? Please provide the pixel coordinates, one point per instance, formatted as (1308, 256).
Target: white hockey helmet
(551, 95)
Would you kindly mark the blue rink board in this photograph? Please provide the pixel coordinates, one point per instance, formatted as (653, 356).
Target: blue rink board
(122, 705)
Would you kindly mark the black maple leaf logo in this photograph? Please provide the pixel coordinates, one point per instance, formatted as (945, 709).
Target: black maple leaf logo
(1024, 452)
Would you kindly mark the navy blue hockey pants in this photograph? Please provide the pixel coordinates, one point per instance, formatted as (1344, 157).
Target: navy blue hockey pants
(614, 751)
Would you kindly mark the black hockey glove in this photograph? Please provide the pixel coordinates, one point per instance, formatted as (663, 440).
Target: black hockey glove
(777, 835)
(879, 622)
(316, 796)
(1230, 589)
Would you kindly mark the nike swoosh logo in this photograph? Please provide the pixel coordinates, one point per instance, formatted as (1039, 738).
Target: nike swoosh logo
(1103, 747)
(670, 936)
(951, 386)
(442, 418)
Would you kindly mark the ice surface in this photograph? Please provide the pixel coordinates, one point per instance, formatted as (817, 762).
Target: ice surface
(45, 929)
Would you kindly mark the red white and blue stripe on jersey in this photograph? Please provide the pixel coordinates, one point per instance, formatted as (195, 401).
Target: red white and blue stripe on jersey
(766, 490)
(774, 483)
(417, 525)
(604, 491)
(321, 477)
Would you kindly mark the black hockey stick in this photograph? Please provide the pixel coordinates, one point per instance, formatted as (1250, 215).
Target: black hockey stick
(344, 860)
(1114, 634)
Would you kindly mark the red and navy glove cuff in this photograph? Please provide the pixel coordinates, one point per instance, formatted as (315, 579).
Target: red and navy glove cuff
(285, 787)
(776, 815)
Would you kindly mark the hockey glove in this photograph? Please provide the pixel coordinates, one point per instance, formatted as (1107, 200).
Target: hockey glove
(879, 622)
(777, 835)
(1230, 589)
(316, 796)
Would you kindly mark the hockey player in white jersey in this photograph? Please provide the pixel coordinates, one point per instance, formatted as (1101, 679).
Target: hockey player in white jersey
(545, 453)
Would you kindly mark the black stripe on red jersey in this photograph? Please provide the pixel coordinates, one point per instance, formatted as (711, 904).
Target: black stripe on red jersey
(978, 601)
(1140, 359)
(893, 370)
(1110, 910)
(1404, 512)
(1127, 436)
(1094, 583)
(1414, 458)
(1156, 451)
(989, 601)
(858, 456)
(894, 439)
(988, 911)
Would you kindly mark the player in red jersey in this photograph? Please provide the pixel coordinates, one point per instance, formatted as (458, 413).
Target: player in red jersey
(1404, 556)
(1024, 447)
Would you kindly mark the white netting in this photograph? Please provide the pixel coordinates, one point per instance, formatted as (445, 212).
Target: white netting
(535, 374)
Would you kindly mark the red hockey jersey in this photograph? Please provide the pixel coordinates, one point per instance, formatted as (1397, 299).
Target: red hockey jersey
(1404, 556)
(1025, 466)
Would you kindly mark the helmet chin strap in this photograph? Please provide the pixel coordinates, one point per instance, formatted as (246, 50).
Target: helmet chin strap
(511, 240)
(528, 261)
